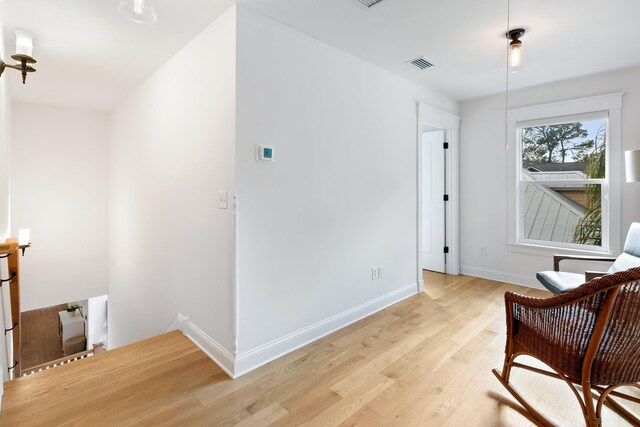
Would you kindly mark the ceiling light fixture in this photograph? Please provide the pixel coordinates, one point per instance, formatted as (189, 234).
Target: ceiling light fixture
(23, 55)
(140, 11)
(516, 53)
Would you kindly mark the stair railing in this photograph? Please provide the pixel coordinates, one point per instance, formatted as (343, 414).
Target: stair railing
(9, 253)
(97, 348)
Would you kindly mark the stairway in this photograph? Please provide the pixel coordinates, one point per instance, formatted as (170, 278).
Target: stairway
(149, 382)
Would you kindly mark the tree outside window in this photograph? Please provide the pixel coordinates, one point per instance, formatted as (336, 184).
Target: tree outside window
(563, 166)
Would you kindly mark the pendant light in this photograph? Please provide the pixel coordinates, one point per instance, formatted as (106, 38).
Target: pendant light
(516, 52)
(140, 11)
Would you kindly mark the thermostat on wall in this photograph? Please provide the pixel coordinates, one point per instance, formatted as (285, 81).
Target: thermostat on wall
(264, 153)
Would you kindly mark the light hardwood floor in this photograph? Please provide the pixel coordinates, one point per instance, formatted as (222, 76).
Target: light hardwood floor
(425, 361)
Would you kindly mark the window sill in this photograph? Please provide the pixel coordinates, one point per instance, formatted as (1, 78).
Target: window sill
(546, 251)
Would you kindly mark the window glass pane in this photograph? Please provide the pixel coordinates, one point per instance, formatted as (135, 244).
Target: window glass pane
(568, 151)
(562, 213)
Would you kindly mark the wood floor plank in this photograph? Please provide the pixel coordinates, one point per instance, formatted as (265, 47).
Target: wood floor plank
(266, 416)
(351, 402)
(425, 361)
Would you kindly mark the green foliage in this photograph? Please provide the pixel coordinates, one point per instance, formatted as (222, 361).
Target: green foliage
(555, 143)
(588, 230)
(73, 308)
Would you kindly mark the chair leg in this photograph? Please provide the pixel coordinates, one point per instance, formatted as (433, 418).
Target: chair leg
(506, 367)
(605, 395)
(591, 417)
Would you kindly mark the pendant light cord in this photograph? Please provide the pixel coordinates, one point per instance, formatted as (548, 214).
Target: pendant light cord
(506, 120)
(506, 92)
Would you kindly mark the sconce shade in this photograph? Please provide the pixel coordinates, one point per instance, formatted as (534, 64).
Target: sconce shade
(24, 236)
(632, 165)
(24, 43)
(140, 11)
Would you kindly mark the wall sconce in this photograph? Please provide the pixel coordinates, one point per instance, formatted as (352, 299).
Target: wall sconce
(24, 239)
(140, 11)
(23, 55)
(632, 165)
(516, 53)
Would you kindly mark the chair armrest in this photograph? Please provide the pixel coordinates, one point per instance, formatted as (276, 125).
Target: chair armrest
(533, 302)
(590, 275)
(558, 258)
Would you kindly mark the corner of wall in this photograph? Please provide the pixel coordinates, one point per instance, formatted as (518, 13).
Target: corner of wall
(5, 199)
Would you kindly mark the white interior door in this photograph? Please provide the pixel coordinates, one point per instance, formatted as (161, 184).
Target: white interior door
(433, 204)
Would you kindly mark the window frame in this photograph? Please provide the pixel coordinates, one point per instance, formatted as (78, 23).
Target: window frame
(608, 106)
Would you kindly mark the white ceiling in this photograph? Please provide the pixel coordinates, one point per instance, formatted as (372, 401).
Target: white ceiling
(464, 38)
(89, 57)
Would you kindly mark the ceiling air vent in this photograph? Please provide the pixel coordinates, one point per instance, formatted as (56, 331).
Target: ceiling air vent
(369, 3)
(420, 63)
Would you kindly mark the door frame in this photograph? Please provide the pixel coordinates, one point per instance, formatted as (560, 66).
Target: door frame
(450, 123)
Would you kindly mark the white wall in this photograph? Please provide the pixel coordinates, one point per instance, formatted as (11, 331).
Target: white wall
(483, 166)
(171, 150)
(340, 197)
(59, 191)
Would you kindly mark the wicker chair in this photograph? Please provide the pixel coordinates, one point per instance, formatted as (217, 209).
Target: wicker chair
(589, 337)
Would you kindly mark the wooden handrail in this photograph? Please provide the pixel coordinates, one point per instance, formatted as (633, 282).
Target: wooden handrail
(97, 348)
(10, 247)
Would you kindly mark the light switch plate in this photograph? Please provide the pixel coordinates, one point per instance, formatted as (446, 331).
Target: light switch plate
(223, 199)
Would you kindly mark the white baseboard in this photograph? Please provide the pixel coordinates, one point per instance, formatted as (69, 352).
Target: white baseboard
(179, 323)
(253, 359)
(502, 276)
(216, 352)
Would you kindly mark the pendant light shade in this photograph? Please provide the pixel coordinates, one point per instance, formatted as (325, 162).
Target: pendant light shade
(516, 52)
(141, 11)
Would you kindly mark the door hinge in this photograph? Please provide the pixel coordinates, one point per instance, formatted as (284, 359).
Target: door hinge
(445, 197)
(446, 249)
(445, 145)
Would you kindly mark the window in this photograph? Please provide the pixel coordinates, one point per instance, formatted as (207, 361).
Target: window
(562, 188)
(564, 192)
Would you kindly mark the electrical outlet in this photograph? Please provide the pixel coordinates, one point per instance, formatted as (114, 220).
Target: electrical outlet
(374, 273)
(483, 250)
(379, 272)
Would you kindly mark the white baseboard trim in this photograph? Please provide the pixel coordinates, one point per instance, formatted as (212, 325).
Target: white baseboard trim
(502, 276)
(216, 352)
(179, 323)
(253, 359)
